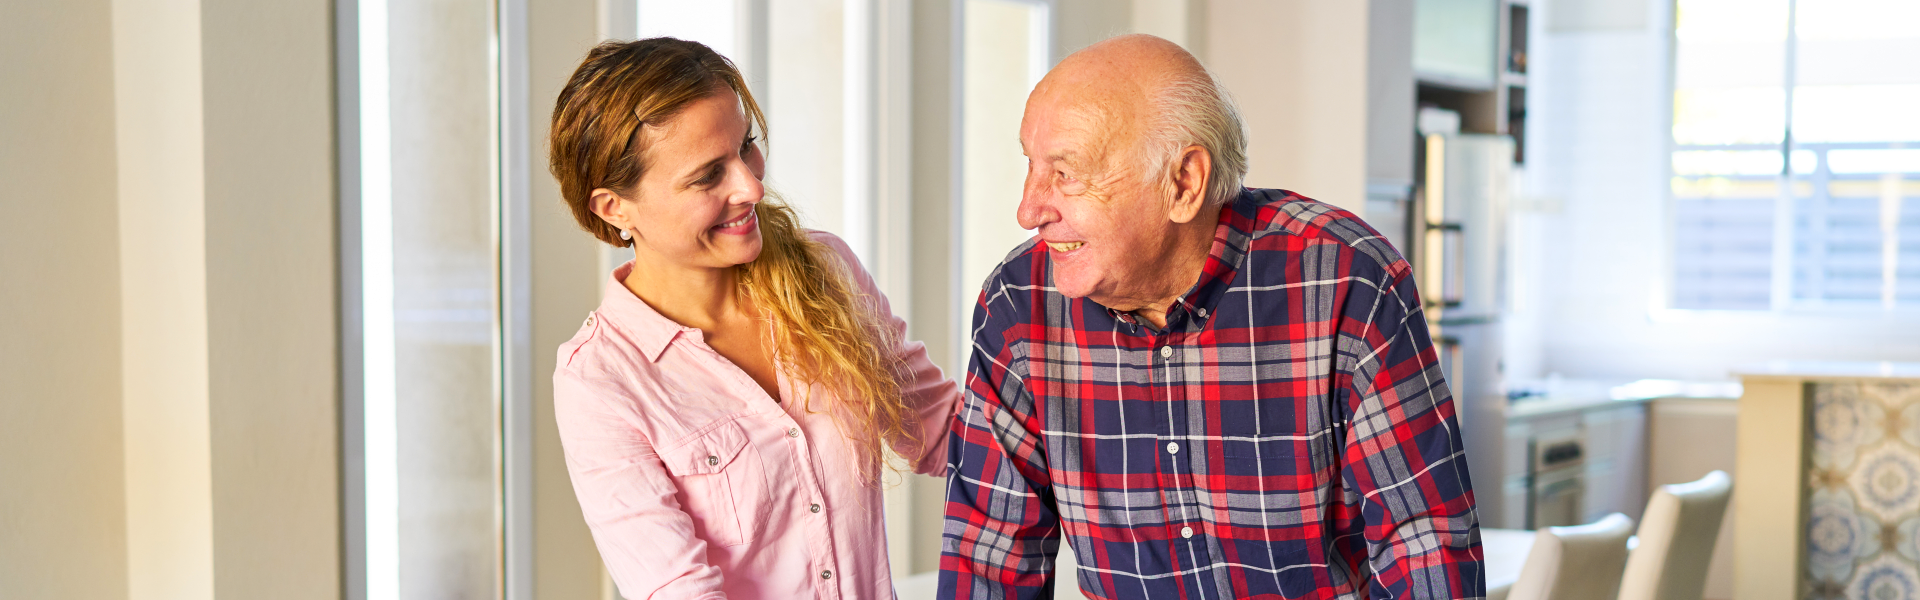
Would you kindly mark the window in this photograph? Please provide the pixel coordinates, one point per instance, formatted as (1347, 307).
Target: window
(433, 390)
(1004, 51)
(1796, 157)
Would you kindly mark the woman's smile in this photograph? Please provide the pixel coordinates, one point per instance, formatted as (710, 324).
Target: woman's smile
(744, 225)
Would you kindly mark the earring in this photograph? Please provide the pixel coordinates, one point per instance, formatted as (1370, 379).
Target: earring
(626, 235)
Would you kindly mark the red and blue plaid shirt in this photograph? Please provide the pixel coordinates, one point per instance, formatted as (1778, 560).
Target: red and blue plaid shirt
(1287, 435)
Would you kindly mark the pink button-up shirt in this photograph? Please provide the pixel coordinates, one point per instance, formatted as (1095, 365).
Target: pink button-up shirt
(697, 485)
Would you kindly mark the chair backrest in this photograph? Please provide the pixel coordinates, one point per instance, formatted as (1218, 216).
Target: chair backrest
(1581, 562)
(1676, 540)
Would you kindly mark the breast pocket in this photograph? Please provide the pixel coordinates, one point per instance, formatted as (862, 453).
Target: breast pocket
(1267, 442)
(719, 476)
(1262, 454)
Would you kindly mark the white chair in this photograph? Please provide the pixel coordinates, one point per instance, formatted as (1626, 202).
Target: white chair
(1676, 540)
(1582, 562)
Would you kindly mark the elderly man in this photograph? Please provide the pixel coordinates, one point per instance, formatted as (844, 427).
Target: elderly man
(1213, 391)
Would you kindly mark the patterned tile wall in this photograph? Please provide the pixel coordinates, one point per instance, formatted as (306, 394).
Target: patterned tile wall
(1863, 532)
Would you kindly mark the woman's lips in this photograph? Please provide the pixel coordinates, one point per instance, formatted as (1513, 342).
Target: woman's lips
(745, 224)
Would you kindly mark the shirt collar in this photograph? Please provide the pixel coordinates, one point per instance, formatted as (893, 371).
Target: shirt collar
(1224, 259)
(1218, 272)
(652, 331)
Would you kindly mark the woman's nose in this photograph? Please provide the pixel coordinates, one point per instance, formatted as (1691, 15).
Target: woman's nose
(747, 189)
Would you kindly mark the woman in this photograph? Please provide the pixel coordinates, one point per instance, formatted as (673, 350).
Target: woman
(725, 411)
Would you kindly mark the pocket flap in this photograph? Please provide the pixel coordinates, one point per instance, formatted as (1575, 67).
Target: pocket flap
(707, 452)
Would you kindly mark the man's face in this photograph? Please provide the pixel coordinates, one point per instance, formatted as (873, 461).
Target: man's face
(1104, 226)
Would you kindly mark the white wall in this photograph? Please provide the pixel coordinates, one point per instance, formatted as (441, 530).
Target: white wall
(62, 514)
(167, 326)
(566, 285)
(1596, 189)
(805, 155)
(1298, 69)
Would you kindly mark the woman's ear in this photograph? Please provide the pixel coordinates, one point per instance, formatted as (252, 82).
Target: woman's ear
(606, 203)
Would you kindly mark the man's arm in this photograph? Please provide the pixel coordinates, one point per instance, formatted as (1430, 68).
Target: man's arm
(1001, 527)
(1407, 510)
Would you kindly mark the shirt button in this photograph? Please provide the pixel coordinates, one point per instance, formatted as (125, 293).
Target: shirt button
(1173, 447)
(1166, 351)
(712, 460)
(813, 508)
(1186, 532)
(826, 574)
(1203, 313)
(793, 432)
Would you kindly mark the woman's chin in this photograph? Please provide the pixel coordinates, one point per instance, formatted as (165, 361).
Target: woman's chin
(744, 251)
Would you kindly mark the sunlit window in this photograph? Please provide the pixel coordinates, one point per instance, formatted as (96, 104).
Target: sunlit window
(1004, 52)
(1802, 199)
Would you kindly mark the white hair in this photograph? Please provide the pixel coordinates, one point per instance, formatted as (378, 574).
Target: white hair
(1196, 110)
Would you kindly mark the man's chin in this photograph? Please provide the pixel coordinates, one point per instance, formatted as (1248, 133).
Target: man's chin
(1072, 288)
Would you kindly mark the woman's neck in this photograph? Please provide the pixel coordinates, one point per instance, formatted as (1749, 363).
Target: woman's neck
(701, 298)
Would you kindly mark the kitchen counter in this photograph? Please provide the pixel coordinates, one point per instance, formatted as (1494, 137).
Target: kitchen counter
(1849, 406)
(1561, 396)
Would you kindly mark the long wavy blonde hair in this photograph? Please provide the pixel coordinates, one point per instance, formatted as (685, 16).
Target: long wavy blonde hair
(826, 333)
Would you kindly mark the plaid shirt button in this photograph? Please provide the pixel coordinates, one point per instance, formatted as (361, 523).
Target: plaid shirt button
(1166, 351)
(1173, 447)
(1186, 532)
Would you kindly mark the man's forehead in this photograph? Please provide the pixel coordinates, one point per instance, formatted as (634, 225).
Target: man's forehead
(1057, 129)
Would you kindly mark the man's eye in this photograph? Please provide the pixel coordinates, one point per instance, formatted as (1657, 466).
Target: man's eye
(1064, 177)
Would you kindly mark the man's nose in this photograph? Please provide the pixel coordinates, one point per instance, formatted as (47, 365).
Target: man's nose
(1036, 206)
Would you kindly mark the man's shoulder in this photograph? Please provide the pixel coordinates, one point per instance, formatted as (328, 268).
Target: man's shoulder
(1269, 216)
(1023, 270)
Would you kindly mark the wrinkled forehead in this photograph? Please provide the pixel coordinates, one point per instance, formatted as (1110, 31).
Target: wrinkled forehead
(1090, 121)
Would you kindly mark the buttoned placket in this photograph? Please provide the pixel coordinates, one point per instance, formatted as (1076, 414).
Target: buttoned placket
(1182, 485)
(815, 519)
(813, 506)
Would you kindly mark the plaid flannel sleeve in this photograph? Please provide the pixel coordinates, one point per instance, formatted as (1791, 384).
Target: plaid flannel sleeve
(1407, 508)
(1001, 522)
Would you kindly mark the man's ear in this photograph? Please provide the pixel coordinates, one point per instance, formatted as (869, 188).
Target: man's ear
(606, 203)
(1193, 168)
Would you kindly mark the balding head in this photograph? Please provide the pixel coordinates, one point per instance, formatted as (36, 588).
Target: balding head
(1132, 149)
(1147, 98)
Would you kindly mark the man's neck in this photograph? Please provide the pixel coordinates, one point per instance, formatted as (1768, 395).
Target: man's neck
(1185, 259)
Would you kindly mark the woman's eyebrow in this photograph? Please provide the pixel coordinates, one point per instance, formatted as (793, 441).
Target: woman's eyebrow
(696, 173)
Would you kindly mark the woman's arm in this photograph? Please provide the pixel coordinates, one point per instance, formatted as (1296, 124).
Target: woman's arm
(923, 388)
(625, 492)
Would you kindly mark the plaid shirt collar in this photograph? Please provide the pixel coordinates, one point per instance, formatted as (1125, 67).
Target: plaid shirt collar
(1224, 260)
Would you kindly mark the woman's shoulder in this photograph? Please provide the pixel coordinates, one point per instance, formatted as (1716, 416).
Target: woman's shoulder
(831, 241)
(590, 358)
(842, 252)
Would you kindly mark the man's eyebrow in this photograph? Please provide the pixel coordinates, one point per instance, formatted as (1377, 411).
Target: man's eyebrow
(1069, 156)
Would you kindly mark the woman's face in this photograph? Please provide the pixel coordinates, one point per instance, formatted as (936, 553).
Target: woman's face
(693, 206)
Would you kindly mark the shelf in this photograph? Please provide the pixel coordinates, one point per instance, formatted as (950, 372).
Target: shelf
(1456, 83)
